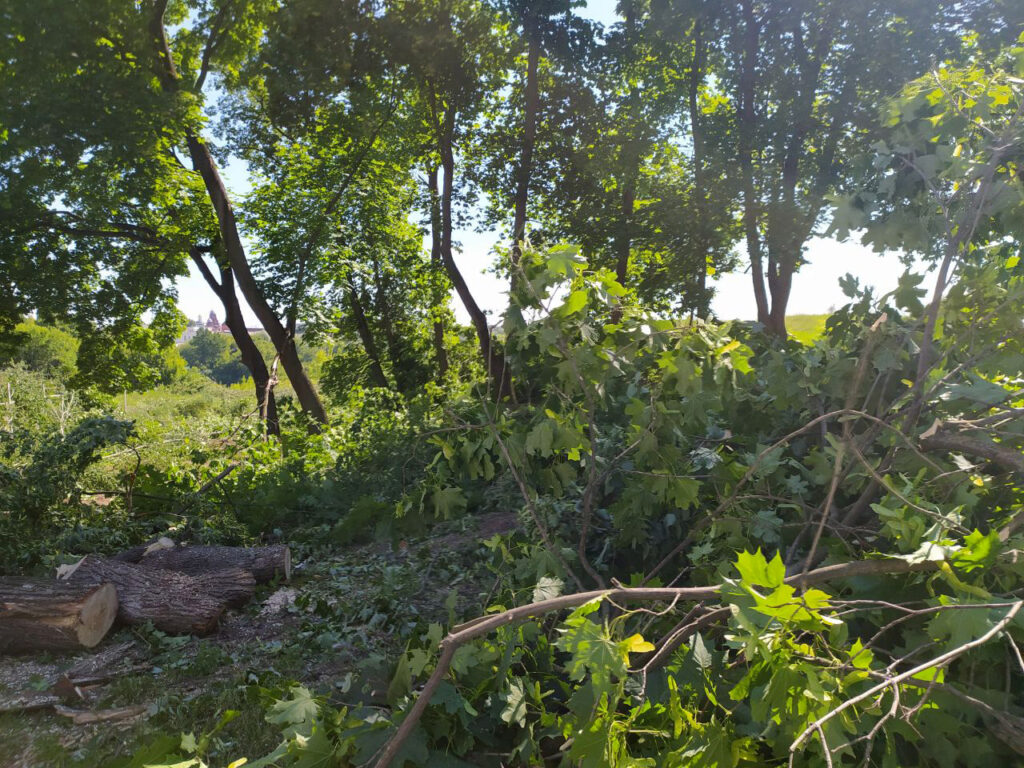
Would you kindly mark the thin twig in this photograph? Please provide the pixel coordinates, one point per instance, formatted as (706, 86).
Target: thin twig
(938, 661)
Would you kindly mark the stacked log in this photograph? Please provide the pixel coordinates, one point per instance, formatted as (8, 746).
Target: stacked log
(171, 601)
(179, 590)
(47, 616)
(266, 563)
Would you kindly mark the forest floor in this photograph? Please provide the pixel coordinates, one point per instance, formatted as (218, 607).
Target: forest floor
(345, 615)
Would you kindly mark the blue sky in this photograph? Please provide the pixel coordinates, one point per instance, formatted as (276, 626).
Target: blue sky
(815, 287)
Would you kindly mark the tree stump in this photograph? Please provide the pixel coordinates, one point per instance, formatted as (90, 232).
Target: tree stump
(265, 563)
(46, 616)
(174, 602)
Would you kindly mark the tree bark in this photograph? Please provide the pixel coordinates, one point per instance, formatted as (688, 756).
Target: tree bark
(1008, 457)
(234, 586)
(283, 342)
(495, 362)
(44, 616)
(265, 563)
(400, 369)
(630, 156)
(377, 375)
(439, 295)
(700, 190)
(747, 127)
(525, 170)
(174, 602)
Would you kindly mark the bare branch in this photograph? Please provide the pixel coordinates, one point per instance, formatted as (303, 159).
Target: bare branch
(938, 661)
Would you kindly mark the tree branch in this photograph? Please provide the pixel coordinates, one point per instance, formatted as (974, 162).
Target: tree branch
(1005, 456)
(484, 625)
(940, 660)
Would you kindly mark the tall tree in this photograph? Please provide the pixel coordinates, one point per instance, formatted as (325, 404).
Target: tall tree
(801, 78)
(242, 29)
(121, 154)
(453, 51)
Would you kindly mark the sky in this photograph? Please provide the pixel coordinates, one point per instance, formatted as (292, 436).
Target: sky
(815, 287)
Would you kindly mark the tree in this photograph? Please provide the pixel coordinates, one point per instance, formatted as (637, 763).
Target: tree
(76, 259)
(47, 349)
(945, 182)
(122, 155)
(234, 34)
(207, 351)
(337, 149)
(453, 52)
(802, 79)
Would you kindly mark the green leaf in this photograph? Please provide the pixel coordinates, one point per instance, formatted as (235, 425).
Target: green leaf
(301, 707)
(563, 260)
(448, 502)
(314, 750)
(979, 550)
(577, 300)
(540, 438)
(700, 652)
(547, 588)
(515, 703)
(401, 682)
(756, 571)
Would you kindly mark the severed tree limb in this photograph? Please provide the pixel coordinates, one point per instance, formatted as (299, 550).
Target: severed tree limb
(463, 633)
(1005, 456)
(940, 660)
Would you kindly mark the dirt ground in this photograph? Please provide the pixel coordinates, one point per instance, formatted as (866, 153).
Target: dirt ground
(94, 708)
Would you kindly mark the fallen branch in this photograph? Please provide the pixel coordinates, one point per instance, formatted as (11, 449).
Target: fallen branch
(86, 717)
(938, 661)
(483, 625)
(1005, 456)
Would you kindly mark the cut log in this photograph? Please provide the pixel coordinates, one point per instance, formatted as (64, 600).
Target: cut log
(29, 702)
(266, 563)
(235, 586)
(43, 616)
(174, 602)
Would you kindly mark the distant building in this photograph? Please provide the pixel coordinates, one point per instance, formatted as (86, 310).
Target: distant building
(190, 331)
(213, 325)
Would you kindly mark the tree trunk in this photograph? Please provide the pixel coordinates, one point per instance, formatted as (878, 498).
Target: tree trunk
(700, 185)
(235, 586)
(495, 362)
(366, 337)
(439, 297)
(265, 563)
(252, 358)
(748, 125)
(523, 173)
(630, 157)
(44, 616)
(204, 164)
(173, 602)
(284, 343)
(396, 354)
